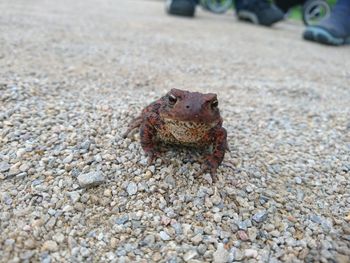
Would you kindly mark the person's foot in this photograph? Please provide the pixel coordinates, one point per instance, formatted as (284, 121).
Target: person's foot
(258, 12)
(334, 30)
(180, 7)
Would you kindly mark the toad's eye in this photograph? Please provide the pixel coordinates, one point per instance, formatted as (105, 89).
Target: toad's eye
(172, 99)
(214, 103)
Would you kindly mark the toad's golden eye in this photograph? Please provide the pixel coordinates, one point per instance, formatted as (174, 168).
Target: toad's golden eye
(172, 99)
(214, 103)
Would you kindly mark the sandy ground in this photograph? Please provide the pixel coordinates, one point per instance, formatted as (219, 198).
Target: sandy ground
(74, 73)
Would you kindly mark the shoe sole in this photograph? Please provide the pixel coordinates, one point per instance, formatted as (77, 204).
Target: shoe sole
(322, 36)
(248, 16)
(253, 18)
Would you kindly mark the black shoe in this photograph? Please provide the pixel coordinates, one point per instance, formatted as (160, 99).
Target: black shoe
(260, 12)
(180, 7)
(334, 30)
(285, 5)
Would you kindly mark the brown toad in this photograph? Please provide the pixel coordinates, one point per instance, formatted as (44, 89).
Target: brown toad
(184, 118)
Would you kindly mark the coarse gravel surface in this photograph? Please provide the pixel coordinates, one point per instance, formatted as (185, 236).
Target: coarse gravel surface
(72, 76)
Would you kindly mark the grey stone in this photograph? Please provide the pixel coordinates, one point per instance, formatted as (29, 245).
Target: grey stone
(45, 258)
(221, 255)
(68, 159)
(27, 254)
(37, 182)
(85, 145)
(50, 245)
(217, 217)
(263, 199)
(85, 252)
(4, 166)
(249, 189)
(202, 248)
(148, 241)
(164, 236)
(197, 239)
(122, 220)
(6, 198)
(250, 253)
(190, 255)
(298, 180)
(9, 242)
(131, 188)
(316, 219)
(98, 158)
(238, 255)
(75, 172)
(74, 196)
(178, 228)
(91, 179)
(260, 216)
(242, 225)
(21, 175)
(170, 180)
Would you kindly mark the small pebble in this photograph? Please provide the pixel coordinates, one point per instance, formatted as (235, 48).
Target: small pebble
(132, 188)
(4, 167)
(298, 180)
(190, 255)
(49, 245)
(260, 216)
(91, 179)
(250, 253)
(242, 235)
(221, 255)
(164, 236)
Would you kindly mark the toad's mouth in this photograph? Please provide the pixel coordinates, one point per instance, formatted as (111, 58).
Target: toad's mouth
(190, 124)
(192, 117)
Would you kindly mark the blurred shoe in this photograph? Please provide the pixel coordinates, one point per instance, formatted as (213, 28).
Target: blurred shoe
(180, 7)
(334, 30)
(285, 5)
(258, 12)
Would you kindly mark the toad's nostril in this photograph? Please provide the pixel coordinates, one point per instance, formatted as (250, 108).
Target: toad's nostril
(187, 106)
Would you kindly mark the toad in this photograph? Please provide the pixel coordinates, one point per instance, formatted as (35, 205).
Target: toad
(184, 118)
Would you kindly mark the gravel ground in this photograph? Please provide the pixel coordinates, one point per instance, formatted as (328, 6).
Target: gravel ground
(74, 73)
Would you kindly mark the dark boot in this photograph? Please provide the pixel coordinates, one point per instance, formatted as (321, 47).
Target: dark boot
(334, 30)
(181, 7)
(285, 5)
(259, 12)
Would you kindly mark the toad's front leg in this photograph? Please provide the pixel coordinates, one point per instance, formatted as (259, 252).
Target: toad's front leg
(219, 141)
(148, 133)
